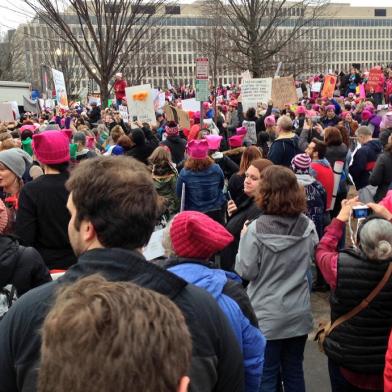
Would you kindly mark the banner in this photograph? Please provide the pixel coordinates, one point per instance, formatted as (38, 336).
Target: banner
(140, 103)
(329, 86)
(283, 92)
(190, 105)
(6, 113)
(374, 79)
(59, 86)
(255, 91)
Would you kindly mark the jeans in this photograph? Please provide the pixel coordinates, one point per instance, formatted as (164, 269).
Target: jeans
(283, 359)
(338, 382)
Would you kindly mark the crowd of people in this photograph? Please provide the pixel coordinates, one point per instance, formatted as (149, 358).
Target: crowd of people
(255, 214)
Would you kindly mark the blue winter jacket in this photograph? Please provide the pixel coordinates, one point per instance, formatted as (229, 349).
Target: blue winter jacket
(251, 340)
(203, 189)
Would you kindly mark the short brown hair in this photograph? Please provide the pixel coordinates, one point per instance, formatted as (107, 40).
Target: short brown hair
(117, 195)
(332, 136)
(132, 339)
(320, 147)
(116, 133)
(125, 142)
(250, 154)
(198, 165)
(280, 193)
(261, 164)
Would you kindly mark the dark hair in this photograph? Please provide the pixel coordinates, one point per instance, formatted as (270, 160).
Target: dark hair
(117, 195)
(332, 136)
(250, 113)
(198, 165)
(61, 167)
(274, 198)
(320, 148)
(250, 154)
(344, 134)
(125, 142)
(137, 338)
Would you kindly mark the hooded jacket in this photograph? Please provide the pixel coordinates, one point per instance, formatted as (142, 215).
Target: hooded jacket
(283, 150)
(364, 161)
(217, 363)
(275, 255)
(141, 150)
(242, 319)
(381, 176)
(176, 145)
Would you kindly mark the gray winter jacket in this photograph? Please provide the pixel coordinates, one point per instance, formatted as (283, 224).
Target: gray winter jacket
(275, 255)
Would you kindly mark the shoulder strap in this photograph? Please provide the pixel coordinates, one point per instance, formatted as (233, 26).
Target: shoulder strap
(365, 303)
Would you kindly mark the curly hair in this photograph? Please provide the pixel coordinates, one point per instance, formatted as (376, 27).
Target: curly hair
(280, 193)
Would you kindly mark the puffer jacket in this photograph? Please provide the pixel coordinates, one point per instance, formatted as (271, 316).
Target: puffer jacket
(283, 150)
(231, 298)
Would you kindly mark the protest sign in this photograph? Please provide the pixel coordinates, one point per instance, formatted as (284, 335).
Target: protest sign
(6, 113)
(140, 103)
(15, 108)
(283, 92)
(123, 110)
(329, 86)
(59, 86)
(190, 105)
(316, 87)
(255, 91)
(362, 92)
(374, 79)
(154, 248)
(178, 115)
(300, 93)
(95, 100)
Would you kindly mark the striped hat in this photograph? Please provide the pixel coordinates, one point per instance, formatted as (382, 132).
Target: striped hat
(301, 163)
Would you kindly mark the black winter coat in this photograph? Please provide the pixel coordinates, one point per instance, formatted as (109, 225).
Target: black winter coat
(176, 145)
(382, 175)
(217, 362)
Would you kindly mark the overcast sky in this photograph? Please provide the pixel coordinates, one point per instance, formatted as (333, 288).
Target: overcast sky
(14, 12)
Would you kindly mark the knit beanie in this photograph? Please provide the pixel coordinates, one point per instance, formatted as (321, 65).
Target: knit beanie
(171, 129)
(366, 115)
(270, 121)
(51, 147)
(16, 160)
(3, 217)
(198, 149)
(196, 235)
(301, 163)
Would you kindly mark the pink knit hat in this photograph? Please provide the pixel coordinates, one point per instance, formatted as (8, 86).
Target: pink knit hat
(29, 127)
(270, 121)
(330, 107)
(198, 149)
(51, 147)
(301, 110)
(301, 163)
(214, 142)
(3, 217)
(366, 114)
(386, 121)
(240, 131)
(68, 133)
(235, 141)
(171, 129)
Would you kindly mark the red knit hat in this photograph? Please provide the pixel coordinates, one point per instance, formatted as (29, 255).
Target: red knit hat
(197, 236)
(51, 147)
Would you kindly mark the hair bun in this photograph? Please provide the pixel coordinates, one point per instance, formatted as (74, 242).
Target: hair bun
(383, 250)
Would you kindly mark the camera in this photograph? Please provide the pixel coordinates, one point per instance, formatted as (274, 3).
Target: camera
(361, 212)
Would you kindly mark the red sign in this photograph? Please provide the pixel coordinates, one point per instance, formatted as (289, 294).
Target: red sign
(202, 68)
(375, 76)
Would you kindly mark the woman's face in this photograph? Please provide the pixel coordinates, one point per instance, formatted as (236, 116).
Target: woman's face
(7, 177)
(252, 181)
(348, 118)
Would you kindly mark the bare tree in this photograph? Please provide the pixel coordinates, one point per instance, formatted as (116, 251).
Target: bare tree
(11, 56)
(107, 33)
(259, 30)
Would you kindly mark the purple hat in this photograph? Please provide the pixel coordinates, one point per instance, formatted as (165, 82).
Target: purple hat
(386, 121)
(213, 141)
(198, 149)
(301, 163)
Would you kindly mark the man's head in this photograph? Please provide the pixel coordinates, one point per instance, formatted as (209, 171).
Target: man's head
(119, 76)
(316, 149)
(284, 125)
(364, 134)
(112, 202)
(113, 337)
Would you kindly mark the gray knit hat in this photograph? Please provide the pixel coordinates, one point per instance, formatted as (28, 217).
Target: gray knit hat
(16, 160)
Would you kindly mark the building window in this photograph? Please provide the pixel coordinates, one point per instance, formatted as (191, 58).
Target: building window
(173, 10)
(380, 12)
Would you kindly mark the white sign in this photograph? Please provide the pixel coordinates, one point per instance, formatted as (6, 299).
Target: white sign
(6, 113)
(202, 70)
(251, 135)
(140, 102)
(95, 100)
(158, 98)
(246, 75)
(59, 85)
(300, 94)
(316, 87)
(123, 110)
(255, 91)
(154, 248)
(190, 105)
(15, 108)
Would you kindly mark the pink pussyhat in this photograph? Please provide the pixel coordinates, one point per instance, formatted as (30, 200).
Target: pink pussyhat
(214, 141)
(198, 149)
(240, 131)
(301, 110)
(90, 141)
(235, 141)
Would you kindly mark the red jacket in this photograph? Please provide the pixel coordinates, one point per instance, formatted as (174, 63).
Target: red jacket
(119, 88)
(324, 174)
(388, 368)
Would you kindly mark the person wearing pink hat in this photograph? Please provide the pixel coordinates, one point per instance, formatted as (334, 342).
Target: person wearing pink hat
(330, 119)
(191, 240)
(202, 181)
(42, 218)
(228, 166)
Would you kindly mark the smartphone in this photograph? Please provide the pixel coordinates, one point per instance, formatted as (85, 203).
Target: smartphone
(134, 118)
(361, 212)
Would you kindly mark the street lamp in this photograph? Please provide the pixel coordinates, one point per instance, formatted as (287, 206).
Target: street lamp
(58, 52)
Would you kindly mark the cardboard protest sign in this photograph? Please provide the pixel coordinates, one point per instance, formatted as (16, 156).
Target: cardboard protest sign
(178, 115)
(283, 92)
(255, 91)
(140, 102)
(123, 110)
(59, 85)
(190, 105)
(329, 86)
(6, 113)
(374, 79)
